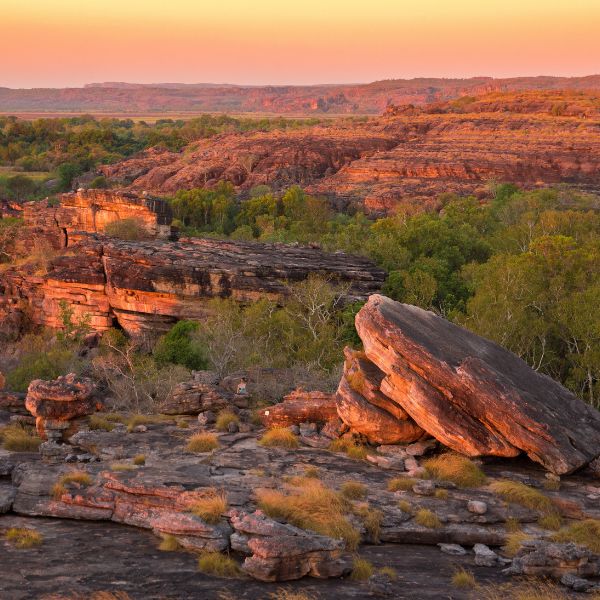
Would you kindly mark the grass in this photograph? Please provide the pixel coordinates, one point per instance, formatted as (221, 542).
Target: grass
(551, 521)
(203, 442)
(519, 493)
(139, 419)
(313, 507)
(405, 506)
(586, 533)
(279, 437)
(552, 485)
(512, 524)
(372, 519)
(23, 537)
(463, 579)
(532, 590)
(349, 447)
(427, 518)
(287, 594)
(354, 490)
(455, 468)
(139, 460)
(121, 467)
(183, 424)
(390, 572)
(441, 494)
(80, 477)
(219, 565)
(514, 541)
(17, 438)
(225, 418)
(99, 423)
(169, 543)
(313, 472)
(362, 569)
(404, 484)
(210, 508)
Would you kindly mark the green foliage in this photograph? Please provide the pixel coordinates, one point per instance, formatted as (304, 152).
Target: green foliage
(179, 347)
(73, 329)
(46, 364)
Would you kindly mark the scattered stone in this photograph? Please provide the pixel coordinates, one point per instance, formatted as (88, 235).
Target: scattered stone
(477, 507)
(485, 556)
(381, 585)
(452, 549)
(577, 584)
(421, 447)
(208, 417)
(334, 428)
(425, 487)
(389, 461)
(139, 429)
(194, 397)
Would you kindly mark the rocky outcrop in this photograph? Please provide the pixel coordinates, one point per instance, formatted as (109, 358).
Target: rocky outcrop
(149, 285)
(55, 404)
(472, 395)
(300, 407)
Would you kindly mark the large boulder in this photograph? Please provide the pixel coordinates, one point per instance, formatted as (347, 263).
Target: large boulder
(300, 407)
(471, 394)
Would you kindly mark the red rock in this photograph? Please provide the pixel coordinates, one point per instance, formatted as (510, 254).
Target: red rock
(472, 395)
(300, 407)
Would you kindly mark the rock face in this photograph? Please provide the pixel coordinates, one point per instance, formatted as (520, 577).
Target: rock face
(92, 210)
(55, 403)
(366, 410)
(149, 285)
(472, 395)
(300, 407)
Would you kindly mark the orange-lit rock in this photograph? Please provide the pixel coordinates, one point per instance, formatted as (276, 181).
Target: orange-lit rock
(300, 407)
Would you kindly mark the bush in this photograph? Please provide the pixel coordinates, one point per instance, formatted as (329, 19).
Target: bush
(179, 347)
(40, 365)
(132, 230)
(212, 507)
(224, 419)
(279, 437)
(217, 564)
(17, 438)
(456, 469)
(202, 442)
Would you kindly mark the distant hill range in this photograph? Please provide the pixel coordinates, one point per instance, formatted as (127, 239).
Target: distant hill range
(371, 98)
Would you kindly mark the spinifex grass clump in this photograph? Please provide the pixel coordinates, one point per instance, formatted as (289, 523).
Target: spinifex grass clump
(401, 484)
(586, 533)
(18, 438)
(427, 518)
(352, 448)
(354, 490)
(202, 442)
(211, 507)
(217, 564)
(23, 537)
(225, 418)
(279, 437)
(313, 507)
(362, 569)
(514, 541)
(519, 493)
(81, 478)
(456, 469)
(463, 579)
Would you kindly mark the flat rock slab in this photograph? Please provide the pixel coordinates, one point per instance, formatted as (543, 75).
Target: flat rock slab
(473, 395)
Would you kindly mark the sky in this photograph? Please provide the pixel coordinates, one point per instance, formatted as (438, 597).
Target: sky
(67, 43)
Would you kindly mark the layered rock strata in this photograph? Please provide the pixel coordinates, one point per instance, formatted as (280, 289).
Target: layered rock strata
(300, 407)
(471, 394)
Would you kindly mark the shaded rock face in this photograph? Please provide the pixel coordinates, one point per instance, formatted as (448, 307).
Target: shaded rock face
(92, 210)
(149, 285)
(366, 410)
(472, 395)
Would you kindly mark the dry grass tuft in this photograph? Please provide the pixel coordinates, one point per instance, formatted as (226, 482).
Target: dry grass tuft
(404, 484)
(586, 533)
(312, 472)
(362, 569)
(514, 541)
(532, 590)
(313, 507)
(23, 537)
(463, 579)
(224, 418)
(100, 423)
(354, 490)
(455, 468)
(287, 594)
(405, 506)
(427, 518)
(552, 485)
(183, 424)
(279, 437)
(79, 477)
(349, 447)
(441, 494)
(551, 521)
(372, 519)
(139, 460)
(121, 467)
(203, 442)
(139, 419)
(519, 493)
(219, 565)
(211, 507)
(512, 524)
(17, 438)
(390, 572)
(169, 543)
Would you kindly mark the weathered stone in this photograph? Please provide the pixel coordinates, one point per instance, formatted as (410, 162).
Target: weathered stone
(472, 395)
(191, 398)
(299, 407)
(452, 549)
(424, 488)
(485, 557)
(477, 507)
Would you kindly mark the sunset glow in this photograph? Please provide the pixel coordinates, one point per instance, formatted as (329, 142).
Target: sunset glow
(70, 42)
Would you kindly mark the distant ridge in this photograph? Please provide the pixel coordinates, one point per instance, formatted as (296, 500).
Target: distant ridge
(369, 98)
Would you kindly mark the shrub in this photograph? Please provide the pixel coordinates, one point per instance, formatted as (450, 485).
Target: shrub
(169, 543)
(211, 507)
(455, 468)
(40, 365)
(313, 507)
(427, 518)
(202, 442)
(519, 493)
(180, 347)
(285, 594)
(217, 564)
(23, 537)
(463, 579)
(362, 569)
(401, 484)
(280, 437)
(354, 490)
(19, 439)
(139, 460)
(130, 229)
(586, 533)
(224, 418)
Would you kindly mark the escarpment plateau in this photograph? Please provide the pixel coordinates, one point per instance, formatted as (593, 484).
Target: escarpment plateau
(148, 285)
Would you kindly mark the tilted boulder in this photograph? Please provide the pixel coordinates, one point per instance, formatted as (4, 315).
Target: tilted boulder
(471, 394)
(366, 410)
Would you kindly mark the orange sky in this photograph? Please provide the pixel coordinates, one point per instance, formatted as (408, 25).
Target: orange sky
(71, 42)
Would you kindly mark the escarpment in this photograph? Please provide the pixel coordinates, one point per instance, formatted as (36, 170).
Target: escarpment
(149, 284)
